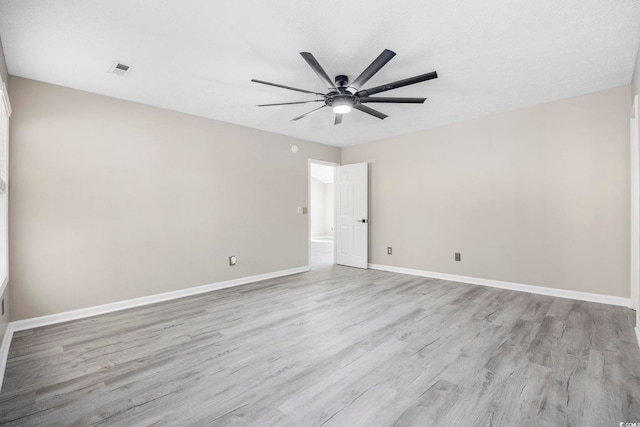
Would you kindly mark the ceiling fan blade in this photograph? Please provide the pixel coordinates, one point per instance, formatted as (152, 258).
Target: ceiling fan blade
(286, 87)
(373, 68)
(400, 83)
(395, 100)
(310, 112)
(338, 119)
(313, 63)
(371, 111)
(289, 103)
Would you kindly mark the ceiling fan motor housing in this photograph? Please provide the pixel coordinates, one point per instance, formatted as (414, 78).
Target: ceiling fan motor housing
(333, 98)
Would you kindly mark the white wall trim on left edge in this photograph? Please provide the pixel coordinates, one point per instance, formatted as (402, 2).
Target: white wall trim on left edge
(541, 290)
(21, 325)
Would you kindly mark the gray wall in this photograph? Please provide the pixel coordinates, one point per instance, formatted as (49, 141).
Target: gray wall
(537, 196)
(112, 200)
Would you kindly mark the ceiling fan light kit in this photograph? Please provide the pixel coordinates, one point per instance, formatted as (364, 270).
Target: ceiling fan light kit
(344, 96)
(341, 108)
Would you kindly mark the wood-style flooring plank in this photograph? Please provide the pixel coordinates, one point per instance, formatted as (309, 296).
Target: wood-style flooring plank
(332, 347)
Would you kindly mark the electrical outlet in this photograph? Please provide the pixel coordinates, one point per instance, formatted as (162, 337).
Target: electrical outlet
(458, 258)
(232, 260)
(389, 250)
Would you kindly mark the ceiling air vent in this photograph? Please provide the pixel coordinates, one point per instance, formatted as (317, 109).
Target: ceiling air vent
(120, 69)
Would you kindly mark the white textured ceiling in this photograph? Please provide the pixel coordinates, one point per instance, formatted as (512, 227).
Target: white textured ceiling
(198, 57)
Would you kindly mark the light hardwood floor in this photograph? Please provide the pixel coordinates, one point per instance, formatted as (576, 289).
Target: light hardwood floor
(333, 347)
(322, 253)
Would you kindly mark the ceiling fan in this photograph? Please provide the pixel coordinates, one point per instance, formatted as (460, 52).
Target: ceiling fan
(344, 96)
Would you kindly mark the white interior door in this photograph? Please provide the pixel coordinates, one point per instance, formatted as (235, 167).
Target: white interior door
(352, 226)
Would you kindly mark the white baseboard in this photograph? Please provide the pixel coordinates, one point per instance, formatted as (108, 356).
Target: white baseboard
(21, 325)
(4, 351)
(542, 290)
(638, 331)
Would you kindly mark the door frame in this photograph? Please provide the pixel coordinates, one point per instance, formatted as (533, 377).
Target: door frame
(634, 142)
(323, 163)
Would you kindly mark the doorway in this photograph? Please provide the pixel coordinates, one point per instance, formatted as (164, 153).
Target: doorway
(322, 214)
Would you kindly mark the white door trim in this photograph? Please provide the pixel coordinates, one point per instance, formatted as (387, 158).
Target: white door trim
(635, 204)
